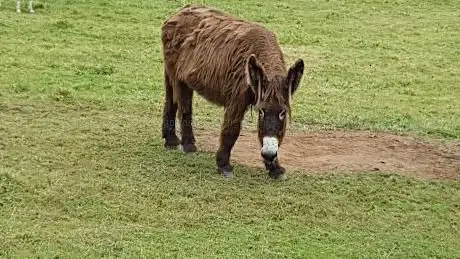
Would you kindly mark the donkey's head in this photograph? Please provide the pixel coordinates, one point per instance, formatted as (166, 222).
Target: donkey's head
(273, 97)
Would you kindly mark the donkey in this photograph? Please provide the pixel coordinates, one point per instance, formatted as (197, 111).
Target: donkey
(18, 6)
(232, 63)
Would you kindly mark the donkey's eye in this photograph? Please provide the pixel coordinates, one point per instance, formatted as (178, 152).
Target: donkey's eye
(282, 115)
(261, 112)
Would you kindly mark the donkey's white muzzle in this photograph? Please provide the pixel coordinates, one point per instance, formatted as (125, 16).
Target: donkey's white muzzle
(269, 148)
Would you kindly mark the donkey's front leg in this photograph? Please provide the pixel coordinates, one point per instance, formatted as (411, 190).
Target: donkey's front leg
(31, 6)
(275, 170)
(230, 132)
(18, 6)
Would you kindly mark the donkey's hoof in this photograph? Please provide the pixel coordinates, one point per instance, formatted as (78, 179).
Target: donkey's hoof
(170, 146)
(226, 171)
(188, 148)
(172, 142)
(278, 173)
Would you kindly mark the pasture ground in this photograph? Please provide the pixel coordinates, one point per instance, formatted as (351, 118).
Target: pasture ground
(359, 151)
(373, 152)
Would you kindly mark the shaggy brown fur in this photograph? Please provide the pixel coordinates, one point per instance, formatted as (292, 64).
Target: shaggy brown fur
(231, 63)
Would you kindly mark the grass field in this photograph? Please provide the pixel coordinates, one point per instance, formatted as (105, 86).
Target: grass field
(83, 172)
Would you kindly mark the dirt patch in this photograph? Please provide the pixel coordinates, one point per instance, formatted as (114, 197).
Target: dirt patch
(348, 151)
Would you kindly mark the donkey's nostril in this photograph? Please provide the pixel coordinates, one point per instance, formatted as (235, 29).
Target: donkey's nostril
(269, 156)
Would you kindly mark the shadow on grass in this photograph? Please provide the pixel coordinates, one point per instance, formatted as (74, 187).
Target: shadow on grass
(152, 156)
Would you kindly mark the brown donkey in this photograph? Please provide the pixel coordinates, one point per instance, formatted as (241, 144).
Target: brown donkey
(234, 64)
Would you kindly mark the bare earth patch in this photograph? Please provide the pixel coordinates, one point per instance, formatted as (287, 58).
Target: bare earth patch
(348, 151)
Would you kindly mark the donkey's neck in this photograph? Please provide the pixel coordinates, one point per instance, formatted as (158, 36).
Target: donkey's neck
(273, 64)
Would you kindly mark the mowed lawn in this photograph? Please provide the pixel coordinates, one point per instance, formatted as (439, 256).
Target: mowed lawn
(83, 172)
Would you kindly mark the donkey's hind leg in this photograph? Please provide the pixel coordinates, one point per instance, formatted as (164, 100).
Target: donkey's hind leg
(169, 116)
(185, 97)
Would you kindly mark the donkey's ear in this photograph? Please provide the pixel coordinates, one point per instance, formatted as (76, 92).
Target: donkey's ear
(294, 75)
(254, 74)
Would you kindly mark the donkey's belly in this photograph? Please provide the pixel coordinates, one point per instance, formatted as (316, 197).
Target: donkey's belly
(214, 97)
(209, 82)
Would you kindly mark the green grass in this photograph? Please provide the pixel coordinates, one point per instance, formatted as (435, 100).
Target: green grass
(82, 168)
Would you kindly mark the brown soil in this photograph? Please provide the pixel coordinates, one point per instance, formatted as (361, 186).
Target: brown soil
(348, 151)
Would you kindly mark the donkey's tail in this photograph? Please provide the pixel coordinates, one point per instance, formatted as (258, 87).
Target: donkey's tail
(170, 92)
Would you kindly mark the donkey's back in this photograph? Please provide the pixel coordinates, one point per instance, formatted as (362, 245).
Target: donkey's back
(206, 49)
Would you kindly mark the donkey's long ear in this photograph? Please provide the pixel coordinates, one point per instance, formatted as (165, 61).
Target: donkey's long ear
(255, 75)
(294, 75)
